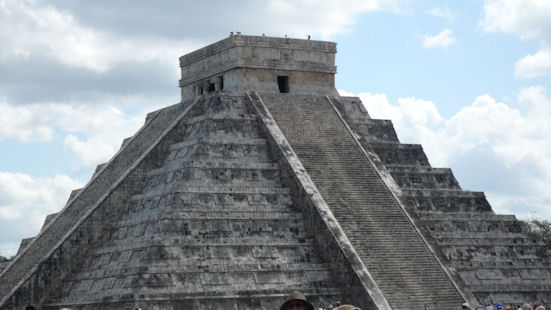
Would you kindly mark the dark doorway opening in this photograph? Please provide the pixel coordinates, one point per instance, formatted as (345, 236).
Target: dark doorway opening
(211, 87)
(283, 83)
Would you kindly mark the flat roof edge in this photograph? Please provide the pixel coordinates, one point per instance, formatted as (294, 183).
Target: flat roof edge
(258, 41)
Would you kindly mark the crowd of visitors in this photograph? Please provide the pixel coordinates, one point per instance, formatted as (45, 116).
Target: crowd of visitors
(297, 301)
(500, 306)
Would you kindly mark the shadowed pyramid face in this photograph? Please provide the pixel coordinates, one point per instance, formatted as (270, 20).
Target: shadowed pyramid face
(212, 219)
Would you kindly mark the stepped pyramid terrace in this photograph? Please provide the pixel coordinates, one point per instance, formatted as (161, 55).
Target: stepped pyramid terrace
(261, 181)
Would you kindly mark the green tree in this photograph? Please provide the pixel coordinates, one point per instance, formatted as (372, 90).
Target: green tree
(539, 230)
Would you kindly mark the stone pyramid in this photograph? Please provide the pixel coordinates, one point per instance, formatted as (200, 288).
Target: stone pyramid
(264, 180)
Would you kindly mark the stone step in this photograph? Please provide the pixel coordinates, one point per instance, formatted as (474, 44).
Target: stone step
(442, 193)
(513, 276)
(211, 266)
(287, 249)
(224, 228)
(488, 242)
(3, 264)
(513, 265)
(72, 195)
(223, 117)
(207, 238)
(223, 128)
(242, 165)
(508, 288)
(233, 150)
(267, 298)
(101, 166)
(212, 190)
(225, 105)
(214, 175)
(49, 218)
(400, 154)
(215, 201)
(424, 178)
(202, 215)
(464, 228)
(155, 185)
(251, 205)
(218, 141)
(494, 249)
(375, 130)
(465, 216)
(444, 201)
(489, 253)
(481, 235)
(353, 106)
(172, 286)
(354, 191)
(23, 244)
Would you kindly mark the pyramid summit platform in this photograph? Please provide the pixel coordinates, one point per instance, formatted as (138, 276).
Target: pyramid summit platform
(261, 181)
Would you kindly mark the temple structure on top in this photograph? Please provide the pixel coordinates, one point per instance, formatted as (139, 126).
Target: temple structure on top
(264, 64)
(261, 181)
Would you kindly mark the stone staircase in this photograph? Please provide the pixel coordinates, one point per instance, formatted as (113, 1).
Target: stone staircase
(212, 228)
(404, 268)
(489, 252)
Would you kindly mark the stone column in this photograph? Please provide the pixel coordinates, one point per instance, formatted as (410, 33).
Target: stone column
(206, 86)
(198, 86)
(217, 83)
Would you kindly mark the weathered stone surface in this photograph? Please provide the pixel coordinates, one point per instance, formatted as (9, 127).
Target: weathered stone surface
(38, 271)
(3, 264)
(240, 63)
(400, 262)
(231, 199)
(211, 226)
(355, 281)
(490, 254)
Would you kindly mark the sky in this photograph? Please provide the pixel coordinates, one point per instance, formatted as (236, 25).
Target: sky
(466, 79)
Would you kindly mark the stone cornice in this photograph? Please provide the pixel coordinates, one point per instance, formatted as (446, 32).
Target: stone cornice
(258, 41)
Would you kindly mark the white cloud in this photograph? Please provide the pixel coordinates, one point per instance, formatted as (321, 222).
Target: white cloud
(24, 123)
(491, 146)
(324, 18)
(529, 19)
(30, 199)
(443, 39)
(441, 12)
(25, 202)
(102, 130)
(8, 249)
(538, 64)
(44, 31)
(92, 150)
(345, 93)
(92, 132)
